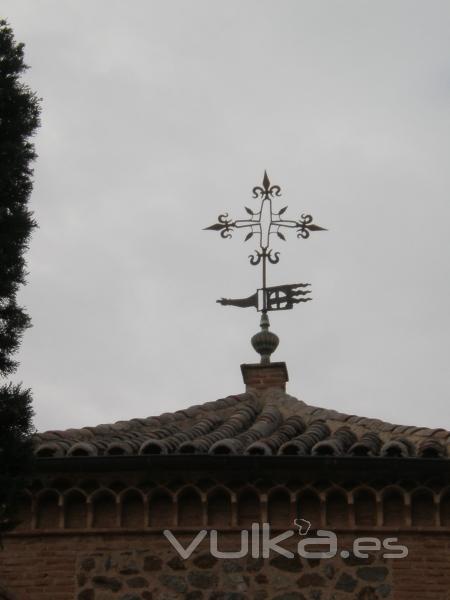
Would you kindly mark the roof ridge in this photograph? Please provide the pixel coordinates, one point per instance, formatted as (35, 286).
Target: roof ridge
(146, 423)
(370, 423)
(373, 422)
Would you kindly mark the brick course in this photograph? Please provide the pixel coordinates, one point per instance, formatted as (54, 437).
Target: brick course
(118, 552)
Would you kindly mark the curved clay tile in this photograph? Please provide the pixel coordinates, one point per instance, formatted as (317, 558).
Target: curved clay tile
(238, 422)
(153, 446)
(120, 448)
(171, 444)
(368, 445)
(292, 427)
(400, 447)
(248, 423)
(266, 423)
(335, 445)
(164, 432)
(303, 443)
(82, 449)
(50, 450)
(432, 449)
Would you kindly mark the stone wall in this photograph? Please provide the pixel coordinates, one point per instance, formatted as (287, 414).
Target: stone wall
(142, 575)
(146, 567)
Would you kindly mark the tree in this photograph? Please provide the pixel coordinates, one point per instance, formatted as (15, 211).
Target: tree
(19, 119)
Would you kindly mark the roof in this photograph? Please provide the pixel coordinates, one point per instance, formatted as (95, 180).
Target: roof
(269, 423)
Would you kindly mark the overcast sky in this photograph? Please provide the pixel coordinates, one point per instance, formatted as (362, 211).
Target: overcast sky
(159, 115)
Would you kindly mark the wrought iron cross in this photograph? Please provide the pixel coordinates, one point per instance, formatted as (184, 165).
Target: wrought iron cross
(263, 224)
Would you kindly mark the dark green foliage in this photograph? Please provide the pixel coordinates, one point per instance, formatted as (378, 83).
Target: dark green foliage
(15, 448)
(19, 118)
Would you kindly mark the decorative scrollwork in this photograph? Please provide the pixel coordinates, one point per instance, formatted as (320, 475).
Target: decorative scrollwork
(273, 258)
(255, 258)
(274, 225)
(267, 191)
(267, 224)
(305, 226)
(224, 225)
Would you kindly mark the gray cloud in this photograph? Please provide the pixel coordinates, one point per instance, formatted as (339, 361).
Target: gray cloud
(157, 116)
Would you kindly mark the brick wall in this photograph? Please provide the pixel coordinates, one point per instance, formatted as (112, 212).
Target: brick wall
(91, 531)
(146, 567)
(102, 538)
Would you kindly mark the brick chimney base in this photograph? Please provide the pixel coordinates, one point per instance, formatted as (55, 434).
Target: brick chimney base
(261, 377)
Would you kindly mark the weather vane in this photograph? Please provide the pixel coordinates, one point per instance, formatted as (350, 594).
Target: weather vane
(263, 224)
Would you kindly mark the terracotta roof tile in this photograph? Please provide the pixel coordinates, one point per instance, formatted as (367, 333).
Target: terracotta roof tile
(273, 423)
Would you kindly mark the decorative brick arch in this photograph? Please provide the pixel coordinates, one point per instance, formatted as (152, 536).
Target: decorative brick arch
(220, 507)
(365, 506)
(249, 507)
(279, 508)
(190, 507)
(75, 509)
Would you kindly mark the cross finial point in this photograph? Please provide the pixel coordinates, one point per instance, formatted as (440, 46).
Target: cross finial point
(266, 181)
